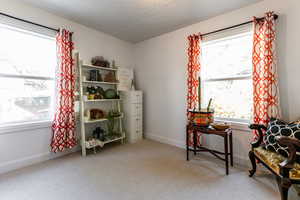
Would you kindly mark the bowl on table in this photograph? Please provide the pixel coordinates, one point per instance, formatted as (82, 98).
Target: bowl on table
(220, 126)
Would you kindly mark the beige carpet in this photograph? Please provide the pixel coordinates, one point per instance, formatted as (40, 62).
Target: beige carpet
(146, 170)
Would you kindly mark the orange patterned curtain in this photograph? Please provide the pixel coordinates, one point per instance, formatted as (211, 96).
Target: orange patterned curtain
(63, 126)
(193, 71)
(265, 78)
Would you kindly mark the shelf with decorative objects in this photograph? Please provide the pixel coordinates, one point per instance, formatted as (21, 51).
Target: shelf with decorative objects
(101, 119)
(97, 67)
(89, 121)
(94, 143)
(103, 100)
(99, 82)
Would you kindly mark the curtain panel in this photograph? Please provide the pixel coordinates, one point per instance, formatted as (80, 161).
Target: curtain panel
(63, 126)
(193, 72)
(265, 77)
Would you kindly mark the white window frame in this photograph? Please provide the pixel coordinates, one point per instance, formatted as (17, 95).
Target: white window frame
(28, 125)
(238, 124)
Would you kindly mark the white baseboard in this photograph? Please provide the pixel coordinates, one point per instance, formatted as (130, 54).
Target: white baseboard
(241, 161)
(30, 160)
(165, 140)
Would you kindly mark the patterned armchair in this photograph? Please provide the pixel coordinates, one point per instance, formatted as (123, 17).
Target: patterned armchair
(286, 170)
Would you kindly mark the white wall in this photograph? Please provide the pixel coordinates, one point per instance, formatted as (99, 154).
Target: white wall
(20, 148)
(161, 72)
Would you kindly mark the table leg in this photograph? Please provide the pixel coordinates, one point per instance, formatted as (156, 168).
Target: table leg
(195, 141)
(231, 148)
(187, 144)
(226, 153)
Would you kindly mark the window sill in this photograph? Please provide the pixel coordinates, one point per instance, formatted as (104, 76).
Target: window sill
(12, 128)
(241, 126)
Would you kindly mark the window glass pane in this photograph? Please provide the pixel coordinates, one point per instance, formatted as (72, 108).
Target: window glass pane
(231, 99)
(228, 57)
(26, 53)
(25, 100)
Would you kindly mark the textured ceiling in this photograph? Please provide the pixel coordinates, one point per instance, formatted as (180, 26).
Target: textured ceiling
(138, 20)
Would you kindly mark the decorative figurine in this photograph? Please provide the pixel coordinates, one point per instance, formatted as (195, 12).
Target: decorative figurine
(99, 133)
(91, 92)
(100, 90)
(132, 85)
(95, 92)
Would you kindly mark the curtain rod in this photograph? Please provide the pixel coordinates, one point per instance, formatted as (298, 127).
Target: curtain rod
(234, 26)
(29, 22)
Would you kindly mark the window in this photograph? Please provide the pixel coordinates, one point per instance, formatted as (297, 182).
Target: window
(226, 76)
(27, 71)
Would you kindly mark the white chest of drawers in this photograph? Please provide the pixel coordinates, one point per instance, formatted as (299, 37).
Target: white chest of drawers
(132, 103)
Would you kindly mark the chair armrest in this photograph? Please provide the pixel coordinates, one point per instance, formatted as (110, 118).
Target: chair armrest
(260, 128)
(292, 144)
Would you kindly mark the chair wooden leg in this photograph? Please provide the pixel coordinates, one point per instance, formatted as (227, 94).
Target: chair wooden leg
(253, 162)
(284, 185)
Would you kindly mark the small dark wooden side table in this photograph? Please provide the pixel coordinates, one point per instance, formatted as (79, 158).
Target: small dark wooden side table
(227, 136)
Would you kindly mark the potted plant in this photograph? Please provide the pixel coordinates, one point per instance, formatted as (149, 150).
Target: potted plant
(111, 121)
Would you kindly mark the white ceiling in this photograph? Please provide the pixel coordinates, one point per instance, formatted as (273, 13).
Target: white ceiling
(138, 20)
